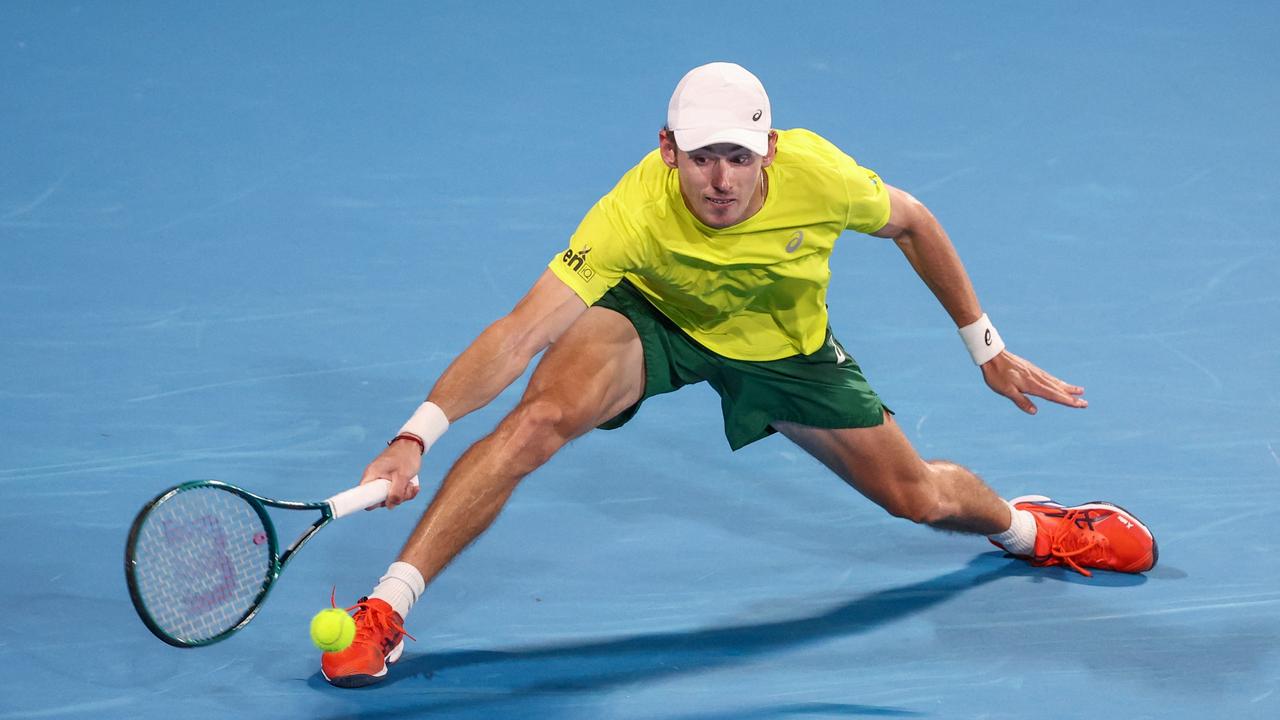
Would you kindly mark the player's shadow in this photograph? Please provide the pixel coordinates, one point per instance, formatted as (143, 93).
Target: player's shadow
(509, 675)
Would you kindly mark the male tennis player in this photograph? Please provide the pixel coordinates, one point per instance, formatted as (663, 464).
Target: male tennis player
(709, 262)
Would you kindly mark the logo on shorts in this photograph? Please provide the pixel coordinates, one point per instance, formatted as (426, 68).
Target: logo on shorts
(577, 262)
(795, 241)
(840, 356)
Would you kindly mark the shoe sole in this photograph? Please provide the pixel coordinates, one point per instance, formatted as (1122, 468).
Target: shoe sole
(362, 680)
(1097, 505)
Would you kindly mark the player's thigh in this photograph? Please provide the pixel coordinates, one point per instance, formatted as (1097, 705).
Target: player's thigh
(592, 372)
(878, 462)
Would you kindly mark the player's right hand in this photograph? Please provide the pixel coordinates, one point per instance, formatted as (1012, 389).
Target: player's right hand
(398, 463)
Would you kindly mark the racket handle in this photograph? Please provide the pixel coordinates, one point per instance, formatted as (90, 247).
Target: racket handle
(362, 497)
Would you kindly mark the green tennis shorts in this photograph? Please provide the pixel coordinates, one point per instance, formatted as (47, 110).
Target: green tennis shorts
(824, 389)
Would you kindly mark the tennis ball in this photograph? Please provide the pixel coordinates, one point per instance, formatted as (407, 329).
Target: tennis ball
(332, 630)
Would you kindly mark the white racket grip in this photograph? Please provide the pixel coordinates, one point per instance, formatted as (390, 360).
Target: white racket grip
(362, 497)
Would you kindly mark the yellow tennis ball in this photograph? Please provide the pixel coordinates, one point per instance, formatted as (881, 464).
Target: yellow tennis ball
(332, 630)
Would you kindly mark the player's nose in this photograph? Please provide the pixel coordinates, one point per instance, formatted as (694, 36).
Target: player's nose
(720, 176)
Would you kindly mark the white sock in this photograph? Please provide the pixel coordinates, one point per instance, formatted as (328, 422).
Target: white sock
(400, 587)
(1020, 538)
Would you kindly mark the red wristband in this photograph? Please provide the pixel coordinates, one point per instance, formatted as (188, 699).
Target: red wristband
(422, 446)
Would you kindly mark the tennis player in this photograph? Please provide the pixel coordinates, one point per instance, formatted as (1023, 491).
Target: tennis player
(709, 262)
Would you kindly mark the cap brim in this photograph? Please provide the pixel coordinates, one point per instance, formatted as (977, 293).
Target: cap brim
(757, 141)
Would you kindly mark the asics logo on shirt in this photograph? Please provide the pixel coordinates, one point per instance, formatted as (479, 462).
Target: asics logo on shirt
(795, 241)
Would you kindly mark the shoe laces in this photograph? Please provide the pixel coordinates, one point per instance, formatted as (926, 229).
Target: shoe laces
(1072, 537)
(372, 622)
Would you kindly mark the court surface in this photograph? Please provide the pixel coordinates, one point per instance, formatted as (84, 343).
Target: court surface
(240, 241)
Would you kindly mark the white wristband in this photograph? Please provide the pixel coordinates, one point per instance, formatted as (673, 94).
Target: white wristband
(428, 422)
(982, 340)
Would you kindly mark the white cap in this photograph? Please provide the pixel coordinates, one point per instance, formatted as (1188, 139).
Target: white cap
(720, 103)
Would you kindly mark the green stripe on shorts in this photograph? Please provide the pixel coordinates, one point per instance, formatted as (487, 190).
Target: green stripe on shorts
(824, 389)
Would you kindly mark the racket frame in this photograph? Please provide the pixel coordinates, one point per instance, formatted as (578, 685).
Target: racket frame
(277, 560)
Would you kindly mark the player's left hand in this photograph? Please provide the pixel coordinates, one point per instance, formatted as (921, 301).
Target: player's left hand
(1016, 378)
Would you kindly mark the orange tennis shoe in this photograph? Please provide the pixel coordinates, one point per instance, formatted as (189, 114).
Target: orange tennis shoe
(1094, 535)
(378, 643)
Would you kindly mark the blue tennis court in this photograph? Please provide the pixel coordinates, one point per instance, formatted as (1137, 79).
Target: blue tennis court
(240, 241)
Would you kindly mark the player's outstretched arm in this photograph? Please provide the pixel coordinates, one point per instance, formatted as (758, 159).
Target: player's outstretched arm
(490, 363)
(920, 237)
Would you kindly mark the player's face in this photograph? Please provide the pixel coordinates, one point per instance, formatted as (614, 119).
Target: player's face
(722, 184)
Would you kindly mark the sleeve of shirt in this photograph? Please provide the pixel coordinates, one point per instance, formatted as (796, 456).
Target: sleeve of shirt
(868, 199)
(597, 255)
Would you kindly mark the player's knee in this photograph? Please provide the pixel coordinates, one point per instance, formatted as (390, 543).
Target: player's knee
(536, 431)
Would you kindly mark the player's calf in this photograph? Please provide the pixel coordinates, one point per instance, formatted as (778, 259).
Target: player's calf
(944, 496)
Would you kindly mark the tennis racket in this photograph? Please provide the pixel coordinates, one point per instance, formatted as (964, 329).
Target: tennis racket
(202, 556)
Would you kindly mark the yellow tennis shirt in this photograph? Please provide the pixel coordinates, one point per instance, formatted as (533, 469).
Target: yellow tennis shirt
(753, 291)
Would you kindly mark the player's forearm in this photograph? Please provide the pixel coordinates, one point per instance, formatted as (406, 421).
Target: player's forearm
(491, 363)
(934, 258)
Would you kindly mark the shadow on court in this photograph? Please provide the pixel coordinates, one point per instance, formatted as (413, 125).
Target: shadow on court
(487, 679)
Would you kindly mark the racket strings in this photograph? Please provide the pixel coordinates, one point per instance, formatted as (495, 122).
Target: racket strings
(202, 558)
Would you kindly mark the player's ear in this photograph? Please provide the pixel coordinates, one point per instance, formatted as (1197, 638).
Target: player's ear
(773, 149)
(667, 147)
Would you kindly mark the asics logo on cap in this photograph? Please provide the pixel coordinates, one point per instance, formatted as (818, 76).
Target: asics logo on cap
(756, 117)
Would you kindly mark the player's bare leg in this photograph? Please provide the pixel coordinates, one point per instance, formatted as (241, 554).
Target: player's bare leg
(880, 463)
(591, 373)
